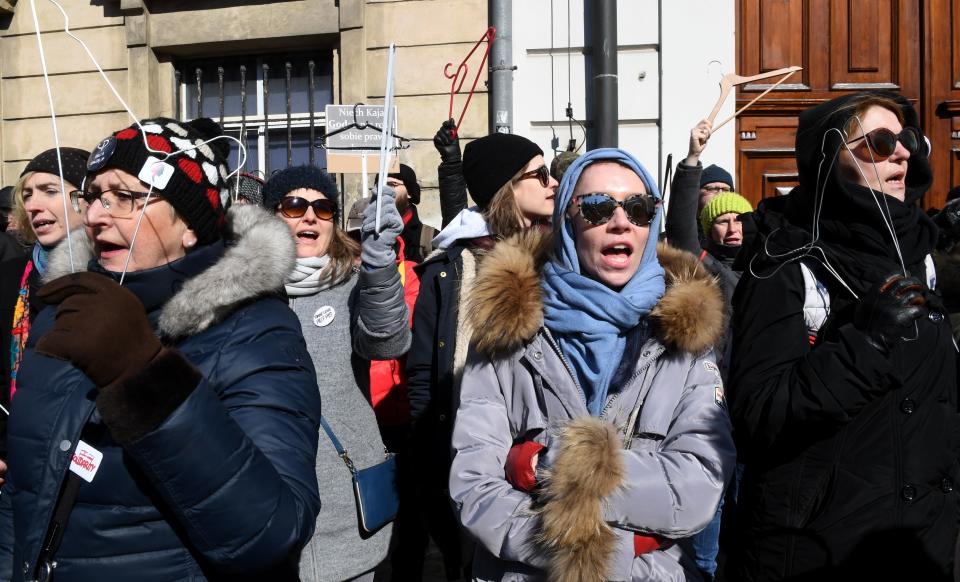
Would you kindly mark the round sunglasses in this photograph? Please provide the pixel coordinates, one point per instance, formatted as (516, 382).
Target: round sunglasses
(883, 142)
(296, 207)
(598, 207)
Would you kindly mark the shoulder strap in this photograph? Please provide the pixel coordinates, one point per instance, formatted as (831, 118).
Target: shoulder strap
(426, 239)
(336, 445)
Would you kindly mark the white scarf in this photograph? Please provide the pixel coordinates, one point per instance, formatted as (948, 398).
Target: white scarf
(305, 278)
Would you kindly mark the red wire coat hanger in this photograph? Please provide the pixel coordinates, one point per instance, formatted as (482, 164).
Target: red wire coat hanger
(461, 75)
(731, 80)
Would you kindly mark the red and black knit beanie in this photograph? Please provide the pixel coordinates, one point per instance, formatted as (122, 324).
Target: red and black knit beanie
(190, 175)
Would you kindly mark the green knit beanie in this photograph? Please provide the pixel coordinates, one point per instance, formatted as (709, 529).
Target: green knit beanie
(722, 204)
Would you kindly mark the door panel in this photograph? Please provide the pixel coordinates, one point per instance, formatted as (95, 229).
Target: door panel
(844, 46)
(941, 106)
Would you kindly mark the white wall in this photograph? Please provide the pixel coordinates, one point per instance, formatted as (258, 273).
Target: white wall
(694, 33)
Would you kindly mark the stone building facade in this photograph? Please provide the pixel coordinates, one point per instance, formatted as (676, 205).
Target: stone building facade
(150, 49)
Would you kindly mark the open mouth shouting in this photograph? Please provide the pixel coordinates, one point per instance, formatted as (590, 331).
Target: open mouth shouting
(617, 255)
(42, 226)
(108, 250)
(896, 180)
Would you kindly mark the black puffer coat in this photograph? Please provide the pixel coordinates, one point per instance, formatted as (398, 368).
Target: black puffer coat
(851, 454)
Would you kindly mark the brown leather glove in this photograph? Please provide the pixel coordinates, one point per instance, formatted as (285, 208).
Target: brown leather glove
(103, 330)
(100, 327)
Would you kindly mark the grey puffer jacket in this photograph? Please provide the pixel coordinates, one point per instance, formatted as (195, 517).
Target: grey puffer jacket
(656, 462)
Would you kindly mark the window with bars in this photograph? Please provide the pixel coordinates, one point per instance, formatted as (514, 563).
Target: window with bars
(273, 103)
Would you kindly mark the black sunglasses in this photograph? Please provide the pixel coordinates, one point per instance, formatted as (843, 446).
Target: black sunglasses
(542, 173)
(883, 142)
(598, 207)
(295, 207)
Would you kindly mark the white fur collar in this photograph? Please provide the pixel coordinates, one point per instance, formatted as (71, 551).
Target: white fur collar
(262, 254)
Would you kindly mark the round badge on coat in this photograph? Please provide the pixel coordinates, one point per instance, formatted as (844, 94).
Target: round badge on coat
(323, 316)
(100, 154)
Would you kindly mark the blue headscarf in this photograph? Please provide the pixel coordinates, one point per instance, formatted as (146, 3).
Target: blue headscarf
(590, 320)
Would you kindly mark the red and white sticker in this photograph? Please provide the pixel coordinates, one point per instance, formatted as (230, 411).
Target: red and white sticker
(86, 461)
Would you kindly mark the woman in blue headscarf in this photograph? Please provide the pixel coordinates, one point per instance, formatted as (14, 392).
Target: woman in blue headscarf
(592, 433)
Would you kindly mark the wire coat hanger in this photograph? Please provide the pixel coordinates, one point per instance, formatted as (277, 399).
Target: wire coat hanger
(461, 75)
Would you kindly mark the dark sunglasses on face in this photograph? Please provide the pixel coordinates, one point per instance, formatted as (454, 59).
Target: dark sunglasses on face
(542, 173)
(598, 207)
(296, 207)
(883, 142)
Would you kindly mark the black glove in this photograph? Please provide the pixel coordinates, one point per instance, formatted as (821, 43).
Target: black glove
(887, 310)
(948, 221)
(447, 142)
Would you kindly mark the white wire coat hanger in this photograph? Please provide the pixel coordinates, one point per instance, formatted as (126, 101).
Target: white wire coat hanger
(161, 155)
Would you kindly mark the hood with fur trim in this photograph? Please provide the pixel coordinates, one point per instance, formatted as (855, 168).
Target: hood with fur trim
(506, 306)
(260, 254)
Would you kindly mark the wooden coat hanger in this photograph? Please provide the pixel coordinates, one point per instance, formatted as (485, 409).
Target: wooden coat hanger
(731, 80)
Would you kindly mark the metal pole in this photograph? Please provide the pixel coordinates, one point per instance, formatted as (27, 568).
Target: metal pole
(289, 67)
(220, 88)
(177, 80)
(310, 89)
(604, 60)
(500, 109)
(199, 75)
(243, 112)
(266, 118)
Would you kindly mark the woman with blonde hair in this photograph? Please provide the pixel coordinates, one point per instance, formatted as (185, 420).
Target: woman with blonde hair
(511, 185)
(39, 210)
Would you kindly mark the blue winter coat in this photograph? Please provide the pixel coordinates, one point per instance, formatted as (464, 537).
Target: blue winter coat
(224, 488)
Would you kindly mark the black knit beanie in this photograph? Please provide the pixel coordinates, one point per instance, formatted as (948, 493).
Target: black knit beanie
(714, 173)
(74, 164)
(193, 181)
(491, 161)
(296, 177)
(409, 179)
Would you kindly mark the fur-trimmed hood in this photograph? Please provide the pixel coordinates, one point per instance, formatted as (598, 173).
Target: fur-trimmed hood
(506, 305)
(260, 254)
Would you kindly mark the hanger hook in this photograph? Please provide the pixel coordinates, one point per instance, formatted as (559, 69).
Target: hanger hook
(710, 67)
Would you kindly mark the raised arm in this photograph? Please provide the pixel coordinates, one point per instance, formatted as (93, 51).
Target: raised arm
(682, 222)
(381, 320)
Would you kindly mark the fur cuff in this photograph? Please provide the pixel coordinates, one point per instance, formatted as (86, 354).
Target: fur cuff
(138, 404)
(586, 469)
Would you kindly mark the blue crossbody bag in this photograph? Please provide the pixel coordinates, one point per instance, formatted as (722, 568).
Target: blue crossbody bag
(375, 488)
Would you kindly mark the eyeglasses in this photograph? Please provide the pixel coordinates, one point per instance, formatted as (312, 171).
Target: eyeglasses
(541, 173)
(117, 203)
(883, 141)
(296, 207)
(716, 189)
(597, 208)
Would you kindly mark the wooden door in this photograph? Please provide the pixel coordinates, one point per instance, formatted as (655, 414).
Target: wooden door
(941, 103)
(844, 46)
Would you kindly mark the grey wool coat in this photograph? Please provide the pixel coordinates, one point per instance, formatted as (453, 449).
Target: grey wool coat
(657, 461)
(369, 321)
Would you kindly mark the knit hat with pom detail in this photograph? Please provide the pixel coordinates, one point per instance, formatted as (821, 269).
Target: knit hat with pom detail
(193, 180)
(722, 204)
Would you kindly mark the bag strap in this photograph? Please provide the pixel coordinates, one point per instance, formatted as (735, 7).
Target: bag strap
(58, 524)
(342, 452)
